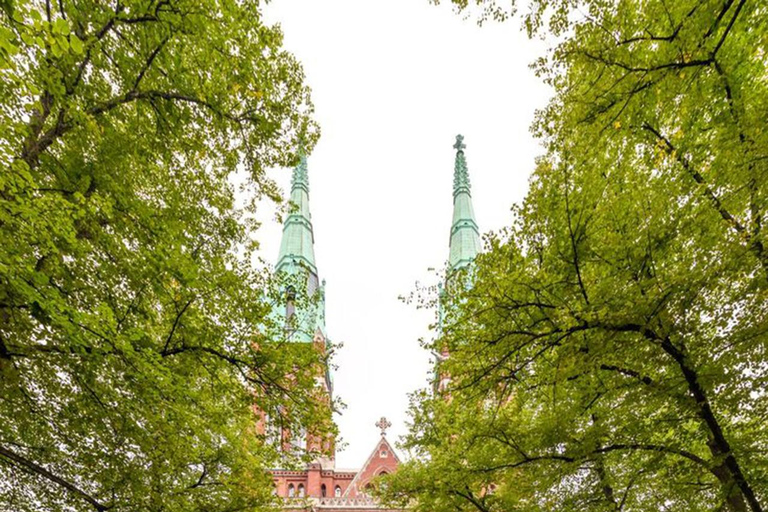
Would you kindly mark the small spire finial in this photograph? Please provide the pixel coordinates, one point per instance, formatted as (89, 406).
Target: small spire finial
(459, 145)
(383, 424)
(460, 173)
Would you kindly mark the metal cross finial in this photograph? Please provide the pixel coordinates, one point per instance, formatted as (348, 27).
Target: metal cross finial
(383, 424)
(459, 143)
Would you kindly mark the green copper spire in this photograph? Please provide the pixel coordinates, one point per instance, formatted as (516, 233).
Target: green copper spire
(297, 258)
(297, 247)
(465, 236)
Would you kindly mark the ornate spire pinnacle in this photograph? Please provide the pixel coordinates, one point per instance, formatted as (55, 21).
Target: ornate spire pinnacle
(460, 172)
(465, 236)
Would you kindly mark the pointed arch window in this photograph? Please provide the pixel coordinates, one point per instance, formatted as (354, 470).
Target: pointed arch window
(301, 490)
(323, 490)
(291, 491)
(337, 492)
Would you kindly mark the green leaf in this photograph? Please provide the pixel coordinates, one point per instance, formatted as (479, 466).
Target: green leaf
(76, 44)
(60, 26)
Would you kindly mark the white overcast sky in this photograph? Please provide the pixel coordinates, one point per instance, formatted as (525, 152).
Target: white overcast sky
(393, 82)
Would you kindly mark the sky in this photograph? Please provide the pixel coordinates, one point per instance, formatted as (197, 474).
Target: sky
(393, 82)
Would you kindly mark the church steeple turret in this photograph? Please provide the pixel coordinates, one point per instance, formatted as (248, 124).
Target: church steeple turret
(465, 235)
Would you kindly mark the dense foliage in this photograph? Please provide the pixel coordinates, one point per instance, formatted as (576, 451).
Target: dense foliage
(135, 339)
(611, 353)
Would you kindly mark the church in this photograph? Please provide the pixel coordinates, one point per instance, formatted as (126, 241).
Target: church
(320, 485)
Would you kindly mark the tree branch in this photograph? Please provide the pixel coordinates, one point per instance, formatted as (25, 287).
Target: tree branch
(728, 28)
(671, 150)
(176, 322)
(37, 469)
(148, 62)
(656, 448)
(630, 373)
(755, 245)
(574, 245)
(470, 497)
(647, 69)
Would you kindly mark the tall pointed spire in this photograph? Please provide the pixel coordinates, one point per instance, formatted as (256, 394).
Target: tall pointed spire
(297, 247)
(297, 258)
(465, 235)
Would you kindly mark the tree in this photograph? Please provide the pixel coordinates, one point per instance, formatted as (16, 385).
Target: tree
(611, 352)
(135, 338)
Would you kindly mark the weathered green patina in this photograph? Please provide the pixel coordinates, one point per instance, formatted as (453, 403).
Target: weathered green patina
(465, 235)
(297, 246)
(464, 245)
(304, 308)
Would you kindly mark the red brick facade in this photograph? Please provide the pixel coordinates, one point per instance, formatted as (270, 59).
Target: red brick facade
(312, 482)
(316, 482)
(330, 490)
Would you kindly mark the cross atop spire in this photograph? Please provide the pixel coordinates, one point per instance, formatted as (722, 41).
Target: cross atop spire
(383, 424)
(459, 145)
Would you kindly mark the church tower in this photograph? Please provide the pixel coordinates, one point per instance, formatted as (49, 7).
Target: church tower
(301, 310)
(463, 245)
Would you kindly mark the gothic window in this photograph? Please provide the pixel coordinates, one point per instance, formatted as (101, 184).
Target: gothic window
(383, 453)
(301, 490)
(322, 490)
(337, 492)
(291, 491)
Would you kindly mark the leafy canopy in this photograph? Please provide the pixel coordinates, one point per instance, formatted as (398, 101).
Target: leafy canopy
(611, 353)
(135, 338)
